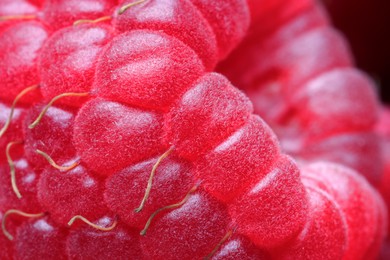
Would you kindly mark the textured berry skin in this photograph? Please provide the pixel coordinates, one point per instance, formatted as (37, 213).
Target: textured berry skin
(247, 155)
(19, 50)
(172, 182)
(327, 224)
(15, 131)
(52, 136)
(122, 135)
(149, 93)
(183, 22)
(6, 245)
(57, 194)
(40, 238)
(27, 180)
(62, 13)
(205, 115)
(307, 89)
(363, 229)
(267, 220)
(121, 243)
(147, 71)
(383, 131)
(201, 216)
(239, 247)
(68, 60)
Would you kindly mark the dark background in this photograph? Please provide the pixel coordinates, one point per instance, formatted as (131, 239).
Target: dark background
(366, 24)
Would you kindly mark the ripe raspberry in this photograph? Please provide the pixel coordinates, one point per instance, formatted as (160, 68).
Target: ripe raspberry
(151, 108)
(308, 91)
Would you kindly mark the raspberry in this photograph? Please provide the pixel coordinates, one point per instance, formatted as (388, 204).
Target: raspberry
(62, 13)
(51, 240)
(68, 57)
(20, 47)
(51, 136)
(383, 130)
(358, 197)
(306, 89)
(201, 216)
(136, 145)
(183, 22)
(76, 192)
(267, 220)
(146, 57)
(171, 183)
(326, 224)
(120, 243)
(122, 135)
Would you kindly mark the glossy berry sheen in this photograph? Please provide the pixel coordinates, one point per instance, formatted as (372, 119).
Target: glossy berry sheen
(68, 60)
(190, 232)
(143, 68)
(246, 155)
(40, 239)
(66, 194)
(19, 51)
(125, 189)
(62, 13)
(53, 136)
(274, 208)
(119, 243)
(121, 135)
(179, 19)
(326, 223)
(205, 115)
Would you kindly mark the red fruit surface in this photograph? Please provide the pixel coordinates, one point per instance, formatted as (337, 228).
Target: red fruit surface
(228, 32)
(383, 131)
(26, 180)
(66, 194)
(173, 179)
(308, 91)
(355, 150)
(363, 209)
(121, 135)
(68, 60)
(190, 232)
(149, 94)
(205, 115)
(6, 246)
(270, 220)
(87, 243)
(179, 19)
(40, 239)
(62, 13)
(9, 7)
(239, 247)
(338, 100)
(52, 136)
(19, 49)
(144, 68)
(244, 157)
(325, 233)
(14, 132)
